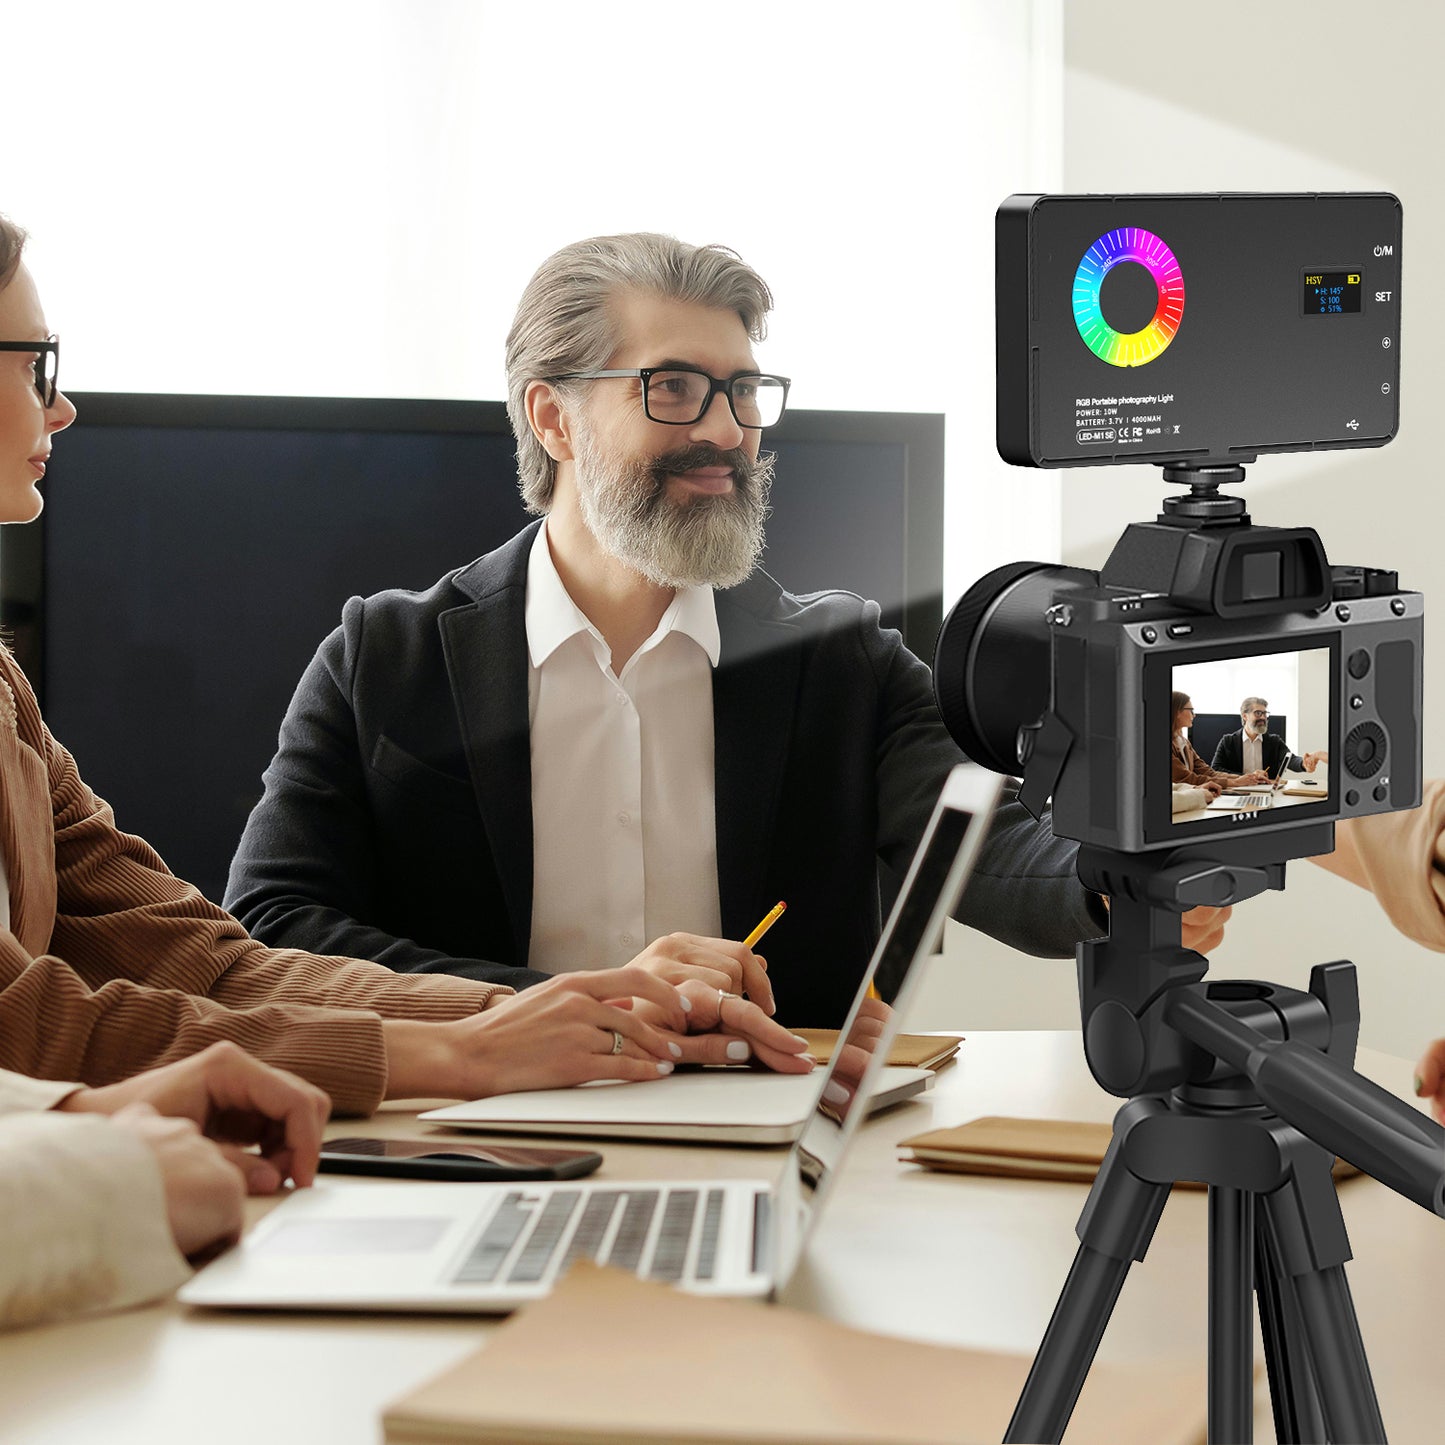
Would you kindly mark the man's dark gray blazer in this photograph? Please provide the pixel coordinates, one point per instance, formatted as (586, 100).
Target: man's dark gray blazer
(396, 822)
(1229, 755)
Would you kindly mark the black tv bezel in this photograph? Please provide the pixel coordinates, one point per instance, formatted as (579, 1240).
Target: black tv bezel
(22, 547)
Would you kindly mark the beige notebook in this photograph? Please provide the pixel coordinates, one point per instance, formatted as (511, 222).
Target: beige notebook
(608, 1359)
(1024, 1149)
(909, 1051)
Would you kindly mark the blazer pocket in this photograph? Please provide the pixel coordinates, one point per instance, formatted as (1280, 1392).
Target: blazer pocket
(420, 780)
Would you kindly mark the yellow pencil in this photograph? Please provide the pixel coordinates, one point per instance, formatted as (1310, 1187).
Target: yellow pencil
(774, 913)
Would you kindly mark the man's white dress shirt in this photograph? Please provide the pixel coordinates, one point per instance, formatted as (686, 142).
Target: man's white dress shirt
(1253, 752)
(624, 836)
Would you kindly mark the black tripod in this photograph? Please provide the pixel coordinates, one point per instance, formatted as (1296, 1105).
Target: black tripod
(1249, 1088)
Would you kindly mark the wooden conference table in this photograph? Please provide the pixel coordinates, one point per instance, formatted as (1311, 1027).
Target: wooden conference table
(946, 1258)
(1282, 798)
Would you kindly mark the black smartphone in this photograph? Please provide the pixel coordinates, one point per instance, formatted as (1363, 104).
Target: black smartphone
(449, 1159)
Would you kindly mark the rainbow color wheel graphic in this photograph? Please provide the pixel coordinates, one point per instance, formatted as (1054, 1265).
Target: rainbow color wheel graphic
(1133, 348)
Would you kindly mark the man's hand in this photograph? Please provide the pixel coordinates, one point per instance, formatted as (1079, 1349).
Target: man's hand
(1430, 1079)
(205, 1192)
(1253, 779)
(725, 1029)
(550, 1036)
(716, 962)
(1312, 760)
(1212, 788)
(1202, 929)
(237, 1101)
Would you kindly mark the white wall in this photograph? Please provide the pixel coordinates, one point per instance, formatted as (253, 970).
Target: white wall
(346, 197)
(1247, 96)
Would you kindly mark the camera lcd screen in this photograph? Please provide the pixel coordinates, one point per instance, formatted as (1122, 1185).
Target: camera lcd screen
(1250, 735)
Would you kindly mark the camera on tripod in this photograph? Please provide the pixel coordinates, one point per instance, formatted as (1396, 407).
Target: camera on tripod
(1198, 332)
(1274, 327)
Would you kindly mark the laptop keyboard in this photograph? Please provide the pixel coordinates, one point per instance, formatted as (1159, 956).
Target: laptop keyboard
(530, 1238)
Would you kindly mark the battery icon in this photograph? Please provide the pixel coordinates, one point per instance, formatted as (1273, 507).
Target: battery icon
(1354, 279)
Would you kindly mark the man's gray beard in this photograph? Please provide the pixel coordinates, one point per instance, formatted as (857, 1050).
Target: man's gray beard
(706, 541)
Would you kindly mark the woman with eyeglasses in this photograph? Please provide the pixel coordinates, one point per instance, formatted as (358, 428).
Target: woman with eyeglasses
(1186, 767)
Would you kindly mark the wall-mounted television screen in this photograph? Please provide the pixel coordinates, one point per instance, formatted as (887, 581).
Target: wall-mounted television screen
(195, 550)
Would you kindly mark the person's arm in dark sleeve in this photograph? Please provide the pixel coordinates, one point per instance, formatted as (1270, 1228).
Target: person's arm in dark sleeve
(308, 865)
(1025, 890)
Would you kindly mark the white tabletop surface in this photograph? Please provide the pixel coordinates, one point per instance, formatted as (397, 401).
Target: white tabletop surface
(946, 1258)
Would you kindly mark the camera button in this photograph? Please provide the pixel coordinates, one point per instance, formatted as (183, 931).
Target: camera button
(1352, 797)
(1381, 792)
(1359, 663)
(1342, 612)
(1149, 634)
(1181, 629)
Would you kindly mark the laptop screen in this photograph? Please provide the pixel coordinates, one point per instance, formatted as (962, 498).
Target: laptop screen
(932, 889)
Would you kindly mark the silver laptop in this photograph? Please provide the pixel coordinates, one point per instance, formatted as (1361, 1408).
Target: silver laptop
(734, 1105)
(487, 1248)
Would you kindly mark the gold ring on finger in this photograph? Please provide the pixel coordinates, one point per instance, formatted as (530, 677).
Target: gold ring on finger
(616, 1042)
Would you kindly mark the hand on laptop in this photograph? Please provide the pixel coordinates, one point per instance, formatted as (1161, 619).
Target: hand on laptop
(726, 1029)
(718, 963)
(235, 1100)
(561, 1032)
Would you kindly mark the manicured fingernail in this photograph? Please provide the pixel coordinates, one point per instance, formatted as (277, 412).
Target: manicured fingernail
(664, 1068)
(1419, 1084)
(835, 1093)
(675, 1050)
(738, 1051)
(801, 1042)
(686, 1003)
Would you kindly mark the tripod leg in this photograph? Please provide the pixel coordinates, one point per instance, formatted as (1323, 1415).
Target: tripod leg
(1310, 1246)
(1347, 1392)
(1115, 1229)
(1231, 1342)
(1292, 1395)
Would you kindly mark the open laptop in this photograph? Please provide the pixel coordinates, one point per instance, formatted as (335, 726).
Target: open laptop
(488, 1248)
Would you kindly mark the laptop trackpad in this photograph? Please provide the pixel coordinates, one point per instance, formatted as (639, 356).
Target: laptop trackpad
(391, 1235)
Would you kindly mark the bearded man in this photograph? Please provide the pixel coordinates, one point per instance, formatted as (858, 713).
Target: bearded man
(615, 739)
(1254, 748)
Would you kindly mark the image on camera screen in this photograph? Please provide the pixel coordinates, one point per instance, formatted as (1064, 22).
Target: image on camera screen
(1250, 733)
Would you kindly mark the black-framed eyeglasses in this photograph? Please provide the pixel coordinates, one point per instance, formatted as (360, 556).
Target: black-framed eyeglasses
(47, 364)
(681, 395)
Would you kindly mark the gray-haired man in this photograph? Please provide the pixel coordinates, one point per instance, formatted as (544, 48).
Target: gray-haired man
(614, 738)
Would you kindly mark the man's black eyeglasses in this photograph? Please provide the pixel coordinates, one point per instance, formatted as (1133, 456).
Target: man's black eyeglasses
(681, 395)
(47, 364)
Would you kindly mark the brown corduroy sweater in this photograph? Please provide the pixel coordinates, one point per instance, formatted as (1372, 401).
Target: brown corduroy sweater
(112, 964)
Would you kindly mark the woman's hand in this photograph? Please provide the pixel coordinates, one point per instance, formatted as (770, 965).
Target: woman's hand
(205, 1193)
(237, 1101)
(725, 1029)
(572, 1029)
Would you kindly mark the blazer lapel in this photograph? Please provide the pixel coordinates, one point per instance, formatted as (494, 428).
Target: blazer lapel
(485, 645)
(754, 697)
